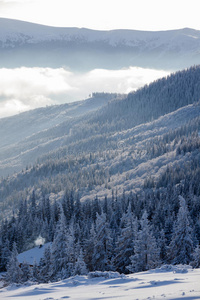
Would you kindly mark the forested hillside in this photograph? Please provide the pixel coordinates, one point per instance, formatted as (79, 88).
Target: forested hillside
(117, 192)
(74, 129)
(28, 135)
(152, 101)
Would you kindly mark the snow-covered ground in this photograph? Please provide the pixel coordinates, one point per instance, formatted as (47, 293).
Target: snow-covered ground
(164, 283)
(15, 32)
(33, 255)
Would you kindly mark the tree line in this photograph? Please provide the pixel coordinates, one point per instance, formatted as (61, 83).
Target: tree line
(126, 234)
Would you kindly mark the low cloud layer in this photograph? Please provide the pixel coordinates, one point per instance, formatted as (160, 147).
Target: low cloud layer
(23, 88)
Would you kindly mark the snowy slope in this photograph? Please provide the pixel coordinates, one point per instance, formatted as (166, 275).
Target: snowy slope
(24, 133)
(128, 164)
(16, 128)
(33, 255)
(165, 283)
(13, 32)
(45, 142)
(40, 131)
(131, 163)
(53, 46)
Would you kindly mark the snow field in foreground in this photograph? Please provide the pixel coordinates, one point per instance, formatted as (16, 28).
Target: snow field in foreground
(164, 283)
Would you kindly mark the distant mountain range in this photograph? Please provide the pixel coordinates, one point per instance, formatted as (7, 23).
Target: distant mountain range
(27, 44)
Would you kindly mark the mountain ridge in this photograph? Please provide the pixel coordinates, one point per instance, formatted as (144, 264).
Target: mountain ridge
(14, 25)
(95, 48)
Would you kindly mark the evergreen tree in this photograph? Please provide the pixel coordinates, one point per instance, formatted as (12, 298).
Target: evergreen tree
(196, 257)
(14, 272)
(181, 246)
(26, 272)
(102, 245)
(146, 252)
(80, 267)
(77, 209)
(44, 268)
(163, 246)
(125, 242)
(71, 248)
(59, 248)
(89, 246)
(5, 255)
(35, 273)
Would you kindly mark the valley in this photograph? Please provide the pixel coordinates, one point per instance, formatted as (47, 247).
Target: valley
(110, 184)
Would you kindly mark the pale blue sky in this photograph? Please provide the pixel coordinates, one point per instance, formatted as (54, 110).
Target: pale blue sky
(106, 14)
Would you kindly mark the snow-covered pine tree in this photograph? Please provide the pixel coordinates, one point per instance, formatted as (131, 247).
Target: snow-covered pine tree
(71, 248)
(59, 249)
(146, 252)
(181, 246)
(14, 273)
(77, 209)
(196, 257)
(125, 242)
(89, 248)
(102, 254)
(35, 272)
(26, 272)
(162, 245)
(80, 267)
(5, 255)
(44, 267)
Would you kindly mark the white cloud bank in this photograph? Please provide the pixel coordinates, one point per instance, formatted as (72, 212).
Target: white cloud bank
(23, 88)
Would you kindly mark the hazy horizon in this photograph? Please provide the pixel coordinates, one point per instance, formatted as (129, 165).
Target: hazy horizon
(25, 88)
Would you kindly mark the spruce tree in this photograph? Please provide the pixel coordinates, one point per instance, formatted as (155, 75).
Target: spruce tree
(35, 272)
(26, 272)
(5, 255)
(125, 243)
(80, 267)
(59, 248)
(181, 246)
(146, 252)
(89, 246)
(196, 257)
(71, 248)
(44, 267)
(102, 245)
(14, 273)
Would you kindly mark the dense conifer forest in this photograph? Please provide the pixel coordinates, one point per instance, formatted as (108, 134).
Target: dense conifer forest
(122, 193)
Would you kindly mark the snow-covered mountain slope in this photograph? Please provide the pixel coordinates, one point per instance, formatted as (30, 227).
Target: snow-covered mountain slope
(116, 147)
(19, 127)
(132, 164)
(168, 282)
(84, 48)
(122, 161)
(97, 123)
(25, 132)
(23, 32)
(21, 152)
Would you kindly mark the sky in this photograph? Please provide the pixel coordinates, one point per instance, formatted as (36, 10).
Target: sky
(106, 14)
(23, 88)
